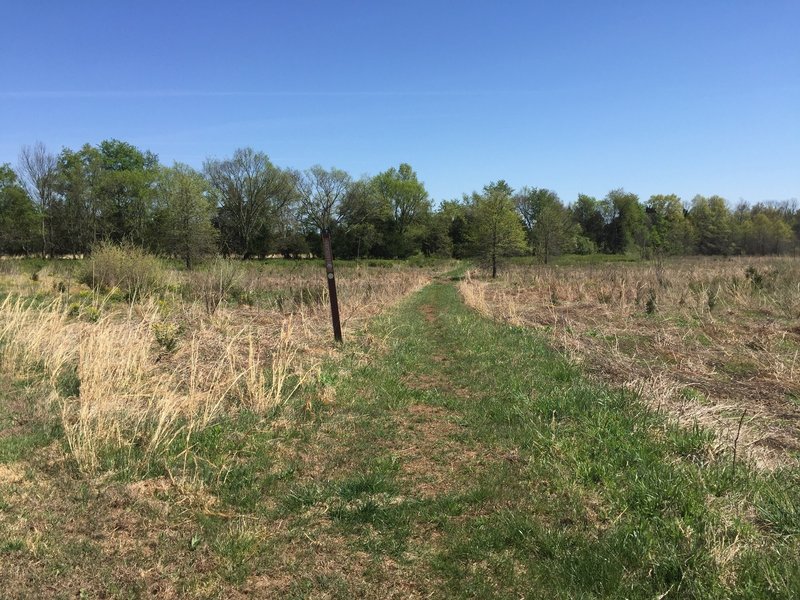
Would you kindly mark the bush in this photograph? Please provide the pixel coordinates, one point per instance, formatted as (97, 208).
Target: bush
(584, 246)
(166, 335)
(130, 269)
(419, 260)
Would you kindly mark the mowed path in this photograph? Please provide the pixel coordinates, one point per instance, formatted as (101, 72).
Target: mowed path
(467, 459)
(448, 456)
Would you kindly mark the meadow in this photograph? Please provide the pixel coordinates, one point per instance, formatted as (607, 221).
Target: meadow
(136, 354)
(586, 430)
(713, 341)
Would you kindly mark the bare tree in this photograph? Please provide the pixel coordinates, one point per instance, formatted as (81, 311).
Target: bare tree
(38, 169)
(322, 196)
(249, 191)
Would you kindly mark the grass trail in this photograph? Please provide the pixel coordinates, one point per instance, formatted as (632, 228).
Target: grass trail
(472, 461)
(463, 458)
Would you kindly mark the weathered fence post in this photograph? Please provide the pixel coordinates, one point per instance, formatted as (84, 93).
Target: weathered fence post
(327, 251)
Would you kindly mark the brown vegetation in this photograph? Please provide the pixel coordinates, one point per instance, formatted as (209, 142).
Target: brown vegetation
(170, 361)
(707, 340)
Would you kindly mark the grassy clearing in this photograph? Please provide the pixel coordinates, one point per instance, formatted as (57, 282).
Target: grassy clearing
(456, 457)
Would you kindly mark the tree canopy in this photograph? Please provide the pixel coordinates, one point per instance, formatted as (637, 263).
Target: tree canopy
(64, 203)
(495, 229)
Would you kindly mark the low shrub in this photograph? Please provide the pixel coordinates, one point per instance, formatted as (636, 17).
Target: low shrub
(130, 269)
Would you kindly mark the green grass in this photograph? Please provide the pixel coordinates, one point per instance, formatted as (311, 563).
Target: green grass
(468, 460)
(578, 259)
(21, 431)
(600, 498)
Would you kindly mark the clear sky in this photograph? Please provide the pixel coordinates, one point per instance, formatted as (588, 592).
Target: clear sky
(686, 97)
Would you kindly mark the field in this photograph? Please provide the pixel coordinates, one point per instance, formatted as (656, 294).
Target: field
(713, 341)
(598, 430)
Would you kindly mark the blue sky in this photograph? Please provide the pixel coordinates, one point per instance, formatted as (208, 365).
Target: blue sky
(680, 97)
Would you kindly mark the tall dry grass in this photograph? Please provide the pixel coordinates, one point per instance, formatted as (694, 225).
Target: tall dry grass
(704, 339)
(137, 378)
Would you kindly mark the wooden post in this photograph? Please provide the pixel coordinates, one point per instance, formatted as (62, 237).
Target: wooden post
(327, 252)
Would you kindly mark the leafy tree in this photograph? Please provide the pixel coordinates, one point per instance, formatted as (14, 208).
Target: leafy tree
(765, 232)
(408, 201)
(712, 220)
(547, 222)
(587, 214)
(495, 229)
(183, 214)
(455, 214)
(529, 202)
(434, 235)
(625, 223)
(554, 231)
(19, 219)
(79, 211)
(250, 192)
(670, 232)
(363, 225)
(124, 191)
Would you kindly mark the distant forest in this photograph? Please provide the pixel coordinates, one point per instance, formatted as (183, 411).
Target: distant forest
(245, 206)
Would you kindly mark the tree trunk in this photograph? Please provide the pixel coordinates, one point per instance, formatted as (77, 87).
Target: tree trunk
(494, 266)
(44, 239)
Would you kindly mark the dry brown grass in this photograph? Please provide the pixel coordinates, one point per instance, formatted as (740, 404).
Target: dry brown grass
(149, 373)
(704, 339)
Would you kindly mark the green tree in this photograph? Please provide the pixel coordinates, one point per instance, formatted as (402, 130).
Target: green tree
(587, 214)
(495, 229)
(455, 214)
(625, 223)
(547, 221)
(364, 218)
(19, 219)
(183, 215)
(434, 235)
(764, 230)
(713, 222)
(79, 211)
(123, 191)
(670, 232)
(408, 201)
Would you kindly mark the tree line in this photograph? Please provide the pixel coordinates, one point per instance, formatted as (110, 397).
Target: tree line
(245, 206)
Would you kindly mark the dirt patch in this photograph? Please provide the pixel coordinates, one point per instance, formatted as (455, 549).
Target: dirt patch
(434, 462)
(429, 312)
(439, 383)
(10, 474)
(325, 563)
